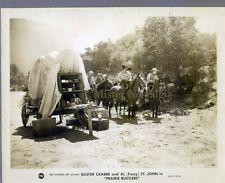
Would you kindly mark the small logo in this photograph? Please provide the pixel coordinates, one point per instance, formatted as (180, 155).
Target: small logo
(40, 175)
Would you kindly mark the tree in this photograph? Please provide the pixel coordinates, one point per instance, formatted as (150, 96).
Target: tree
(172, 44)
(17, 79)
(97, 59)
(126, 51)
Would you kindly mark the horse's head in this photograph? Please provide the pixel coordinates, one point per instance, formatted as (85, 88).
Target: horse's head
(140, 81)
(153, 86)
(106, 84)
(123, 84)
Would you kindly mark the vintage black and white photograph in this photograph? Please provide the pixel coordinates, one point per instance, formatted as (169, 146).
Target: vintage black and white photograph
(112, 88)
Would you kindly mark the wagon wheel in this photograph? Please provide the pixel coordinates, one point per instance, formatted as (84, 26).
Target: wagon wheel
(24, 116)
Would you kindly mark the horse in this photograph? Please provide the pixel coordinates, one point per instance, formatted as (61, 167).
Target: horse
(152, 97)
(126, 94)
(91, 94)
(131, 94)
(103, 93)
(117, 98)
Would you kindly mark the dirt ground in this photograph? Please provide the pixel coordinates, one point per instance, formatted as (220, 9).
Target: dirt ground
(168, 142)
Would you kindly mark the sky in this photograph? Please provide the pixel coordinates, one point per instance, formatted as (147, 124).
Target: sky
(89, 26)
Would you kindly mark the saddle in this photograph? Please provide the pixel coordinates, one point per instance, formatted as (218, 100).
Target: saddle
(152, 92)
(126, 84)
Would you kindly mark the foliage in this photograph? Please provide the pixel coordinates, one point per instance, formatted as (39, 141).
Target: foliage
(17, 79)
(98, 59)
(171, 44)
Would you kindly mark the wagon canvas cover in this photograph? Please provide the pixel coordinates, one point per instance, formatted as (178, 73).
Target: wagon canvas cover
(42, 82)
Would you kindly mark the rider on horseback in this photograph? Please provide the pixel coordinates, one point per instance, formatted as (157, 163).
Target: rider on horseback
(98, 78)
(152, 80)
(125, 78)
(152, 95)
(125, 75)
(153, 76)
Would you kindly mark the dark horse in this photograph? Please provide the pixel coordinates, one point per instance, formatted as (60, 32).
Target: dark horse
(117, 98)
(152, 98)
(103, 93)
(131, 94)
(127, 94)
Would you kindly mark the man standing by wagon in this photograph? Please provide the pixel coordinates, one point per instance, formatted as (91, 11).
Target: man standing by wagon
(91, 79)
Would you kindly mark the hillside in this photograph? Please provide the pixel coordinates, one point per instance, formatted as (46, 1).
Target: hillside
(30, 39)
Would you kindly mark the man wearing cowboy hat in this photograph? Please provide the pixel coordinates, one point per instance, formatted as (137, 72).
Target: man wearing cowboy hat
(153, 76)
(124, 74)
(129, 70)
(98, 78)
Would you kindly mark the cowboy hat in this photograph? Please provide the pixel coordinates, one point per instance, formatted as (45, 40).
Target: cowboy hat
(154, 69)
(104, 76)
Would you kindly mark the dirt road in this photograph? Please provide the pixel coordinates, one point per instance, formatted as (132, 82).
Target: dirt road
(169, 142)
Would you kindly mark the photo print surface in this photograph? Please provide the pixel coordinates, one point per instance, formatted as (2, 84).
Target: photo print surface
(151, 78)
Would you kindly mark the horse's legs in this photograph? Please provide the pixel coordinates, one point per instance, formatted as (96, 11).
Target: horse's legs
(133, 110)
(104, 104)
(129, 109)
(110, 104)
(98, 102)
(107, 104)
(157, 107)
(93, 96)
(153, 109)
(109, 112)
(116, 107)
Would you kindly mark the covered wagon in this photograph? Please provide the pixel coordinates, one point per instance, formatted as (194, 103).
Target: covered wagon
(56, 86)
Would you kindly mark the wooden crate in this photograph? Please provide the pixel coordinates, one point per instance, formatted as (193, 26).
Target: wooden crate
(44, 127)
(100, 124)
